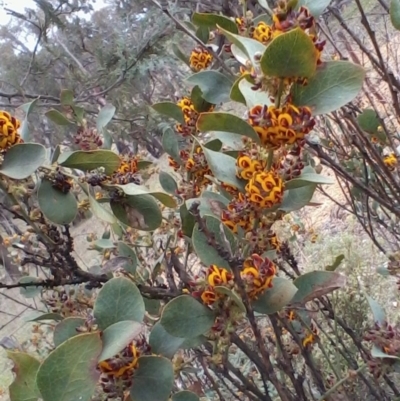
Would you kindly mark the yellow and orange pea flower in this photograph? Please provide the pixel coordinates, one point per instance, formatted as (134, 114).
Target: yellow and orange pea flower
(126, 361)
(200, 59)
(9, 126)
(265, 189)
(248, 166)
(390, 161)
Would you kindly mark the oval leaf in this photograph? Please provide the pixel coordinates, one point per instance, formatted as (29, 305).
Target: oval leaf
(118, 300)
(58, 118)
(168, 183)
(162, 343)
(290, 55)
(185, 395)
(232, 295)
(316, 284)
(117, 336)
(169, 109)
(90, 160)
(369, 121)
(274, 299)
(212, 20)
(334, 84)
(126, 251)
(377, 311)
(215, 87)
(67, 97)
(100, 212)
(24, 387)
(171, 145)
(185, 317)
(70, 372)
(67, 329)
(395, 13)
(22, 160)
(226, 122)
(47, 316)
(307, 179)
(56, 206)
(316, 7)
(140, 212)
(297, 198)
(105, 116)
(153, 380)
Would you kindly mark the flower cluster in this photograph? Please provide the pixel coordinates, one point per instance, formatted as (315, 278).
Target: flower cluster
(386, 338)
(117, 372)
(281, 126)
(190, 116)
(9, 135)
(390, 161)
(257, 275)
(88, 138)
(284, 20)
(200, 59)
(127, 170)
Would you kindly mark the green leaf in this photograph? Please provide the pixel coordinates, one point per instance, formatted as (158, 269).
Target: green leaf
(185, 395)
(187, 221)
(118, 300)
(253, 97)
(334, 84)
(290, 55)
(306, 179)
(100, 212)
(185, 317)
(211, 204)
(138, 190)
(338, 260)
(128, 252)
(263, 18)
(228, 123)
(377, 310)
(232, 295)
(316, 7)
(117, 336)
(22, 160)
(70, 372)
(213, 20)
(104, 243)
(27, 108)
(24, 387)
(171, 145)
(143, 164)
(67, 329)
(169, 109)
(91, 160)
(58, 118)
(394, 11)
(236, 94)
(369, 121)
(29, 292)
(207, 253)
(214, 144)
(199, 104)
(215, 87)
(105, 116)
(180, 54)
(56, 206)
(152, 306)
(315, 284)
(273, 299)
(223, 167)
(153, 380)
(378, 353)
(203, 34)
(168, 183)
(47, 316)
(67, 97)
(138, 211)
(249, 47)
(295, 199)
(162, 343)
